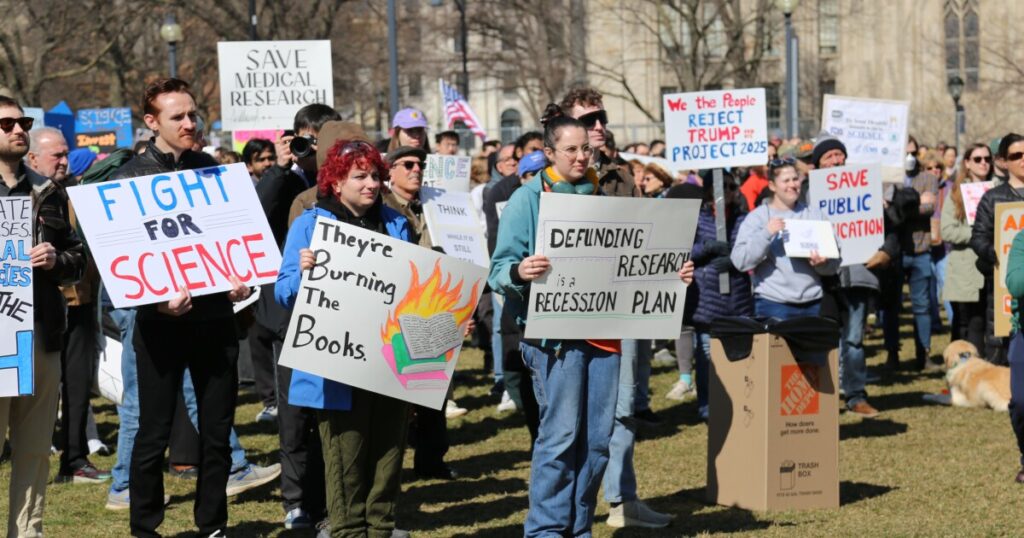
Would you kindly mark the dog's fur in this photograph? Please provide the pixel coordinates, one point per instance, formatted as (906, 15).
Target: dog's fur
(973, 381)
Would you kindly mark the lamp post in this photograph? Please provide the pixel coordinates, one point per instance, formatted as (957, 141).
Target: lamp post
(170, 32)
(463, 42)
(252, 20)
(392, 57)
(956, 89)
(792, 61)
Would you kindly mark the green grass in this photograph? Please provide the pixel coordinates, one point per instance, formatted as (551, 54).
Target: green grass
(917, 470)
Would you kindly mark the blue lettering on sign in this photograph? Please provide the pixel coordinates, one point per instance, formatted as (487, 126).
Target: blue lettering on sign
(22, 360)
(168, 192)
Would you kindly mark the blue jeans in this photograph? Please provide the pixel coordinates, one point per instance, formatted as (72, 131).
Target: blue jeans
(497, 303)
(919, 271)
(620, 477)
(763, 308)
(939, 262)
(128, 411)
(238, 461)
(576, 387)
(702, 354)
(853, 371)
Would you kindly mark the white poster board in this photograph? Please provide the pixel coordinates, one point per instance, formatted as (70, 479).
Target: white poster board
(716, 129)
(454, 226)
(450, 172)
(392, 324)
(264, 83)
(801, 237)
(109, 380)
(851, 198)
(152, 236)
(971, 194)
(16, 309)
(614, 267)
(873, 130)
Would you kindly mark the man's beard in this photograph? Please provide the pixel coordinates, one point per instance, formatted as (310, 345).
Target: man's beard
(12, 153)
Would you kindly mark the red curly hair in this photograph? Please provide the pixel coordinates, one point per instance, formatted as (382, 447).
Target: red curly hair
(345, 154)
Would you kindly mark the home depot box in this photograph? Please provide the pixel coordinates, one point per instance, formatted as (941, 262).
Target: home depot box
(773, 428)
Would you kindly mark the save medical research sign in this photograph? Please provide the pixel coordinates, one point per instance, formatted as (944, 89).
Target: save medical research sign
(454, 225)
(614, 267)
(16, 310)
(873, 130)
(716, 129)
(153, 236)
(851, 198)
(264, 83)
(381, 314)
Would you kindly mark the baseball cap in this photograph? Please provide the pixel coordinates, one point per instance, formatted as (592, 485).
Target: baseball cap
(409, 118)
(532, 162)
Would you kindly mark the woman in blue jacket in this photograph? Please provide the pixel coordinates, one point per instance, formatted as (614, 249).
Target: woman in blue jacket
(362, 433)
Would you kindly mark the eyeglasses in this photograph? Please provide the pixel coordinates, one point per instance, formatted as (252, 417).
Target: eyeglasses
(573, 151)
(979, 160)
(1015, 156)
(779, 163)
(409, 165)
(590, 120)
(25, 122)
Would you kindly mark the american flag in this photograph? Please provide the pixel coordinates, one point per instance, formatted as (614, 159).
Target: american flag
(456, 108)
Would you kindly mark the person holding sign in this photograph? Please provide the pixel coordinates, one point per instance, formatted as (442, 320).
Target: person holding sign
(964, 283)
(574, 381)
(784, 287)
(362, 433)
(57, 258)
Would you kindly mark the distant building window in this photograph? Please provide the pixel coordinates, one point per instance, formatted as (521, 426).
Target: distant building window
(415, 85)
(511, 125)
(827, 87)
(509, 82)
(828, 27)
(961, 30)
(773, 94)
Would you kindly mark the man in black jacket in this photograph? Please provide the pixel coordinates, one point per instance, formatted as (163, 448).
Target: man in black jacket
(57, 259)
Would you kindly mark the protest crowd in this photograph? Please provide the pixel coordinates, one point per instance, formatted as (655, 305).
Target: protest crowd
(584, 399)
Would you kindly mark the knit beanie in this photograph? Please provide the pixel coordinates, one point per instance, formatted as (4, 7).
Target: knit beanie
(825, 144)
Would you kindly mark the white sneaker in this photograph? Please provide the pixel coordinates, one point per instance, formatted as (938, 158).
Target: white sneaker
(453, 410)
(663, 357)
(681, 391)
(637, 514)
(98, 447)
(507, 403)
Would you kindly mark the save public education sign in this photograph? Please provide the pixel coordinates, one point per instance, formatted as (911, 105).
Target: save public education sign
(16, 310)
(716, 129)
(614, 267)
(264, 83)
(851, 198)
(152, 236)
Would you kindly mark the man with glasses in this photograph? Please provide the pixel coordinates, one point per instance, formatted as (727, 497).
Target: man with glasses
(587, 105)
(57, 259)
(507, 161)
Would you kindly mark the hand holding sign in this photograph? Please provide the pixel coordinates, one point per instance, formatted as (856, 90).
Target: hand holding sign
(239, 291)
(775, 225)
(43, 256)
(177, 306)
(307, 259)
(533, 267)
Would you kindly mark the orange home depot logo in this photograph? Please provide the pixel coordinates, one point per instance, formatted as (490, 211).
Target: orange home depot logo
(799, 390)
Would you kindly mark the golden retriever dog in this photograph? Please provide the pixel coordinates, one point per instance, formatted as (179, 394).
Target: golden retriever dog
(973, 381)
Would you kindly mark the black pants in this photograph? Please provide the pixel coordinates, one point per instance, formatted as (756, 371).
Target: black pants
(969, 323)
(430, 433)
(183, 446)
(163, 349)
(995, 346)
(77, 364)
(302, 458)
(1016, 361)
(261, 348)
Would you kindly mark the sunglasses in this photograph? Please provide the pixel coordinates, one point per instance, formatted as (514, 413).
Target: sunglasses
(25, 122)
(590, 120)
(409, 165)
(355, 145)
(1015, 156)
(979, 160)
(779, 163)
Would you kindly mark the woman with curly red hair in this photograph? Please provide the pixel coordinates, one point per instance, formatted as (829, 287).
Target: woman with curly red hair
(362, 433)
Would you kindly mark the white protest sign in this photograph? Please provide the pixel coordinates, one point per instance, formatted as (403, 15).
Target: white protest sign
(716, 129)
(377, 313)
(264, 83)
(614, 267)
(971, 194)
(152, 236)
(801, 237)
(873, 130)
(16, 309)
(851, 198)
(450, 172)
(454, 226)
(109, 380)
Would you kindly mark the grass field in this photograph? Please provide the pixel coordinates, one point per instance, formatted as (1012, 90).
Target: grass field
(917, 470)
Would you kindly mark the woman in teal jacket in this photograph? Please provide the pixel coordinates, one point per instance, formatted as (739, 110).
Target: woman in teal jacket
(362, 433)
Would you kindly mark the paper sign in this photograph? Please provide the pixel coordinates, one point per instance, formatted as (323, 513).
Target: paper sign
(103, 129)
(264, 83)
(614, 267)
(449, 172)
(240, 138)
(152, 236)
(874, 131)
(454, 225)
(499, 207)
(250, 300)
(109, 379)
(971, 194)
(716, 129)
(16, 309)
(851, 198)
(347, 324)
(1009, 220)
(801, 237)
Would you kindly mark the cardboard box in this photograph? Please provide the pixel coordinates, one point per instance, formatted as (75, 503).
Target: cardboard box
(773, 429)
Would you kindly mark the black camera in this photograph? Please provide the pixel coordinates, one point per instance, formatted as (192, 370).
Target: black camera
(302, 146)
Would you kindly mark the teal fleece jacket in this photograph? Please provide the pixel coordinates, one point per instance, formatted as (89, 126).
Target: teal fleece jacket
(517, 234)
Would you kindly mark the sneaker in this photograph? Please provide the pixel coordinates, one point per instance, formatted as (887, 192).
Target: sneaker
(647, 417)
(119, 500)
(1020, 477)
(864, 409)
(507, 403)
(663, 357)
(399, 533)
(267, 414)
(681, 391)
(250, 477)
(453, 410)
(97, 447)
(297, 518)
(637, 514)
(86, 474)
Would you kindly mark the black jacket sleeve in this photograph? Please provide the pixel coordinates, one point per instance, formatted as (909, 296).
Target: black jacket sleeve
(983, 234)
(277, 190)
(491, 218)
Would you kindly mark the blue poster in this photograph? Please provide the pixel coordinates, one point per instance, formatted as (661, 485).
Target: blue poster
(104, 129)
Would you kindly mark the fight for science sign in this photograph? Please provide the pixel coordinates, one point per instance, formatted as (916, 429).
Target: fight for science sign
(716, 129)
